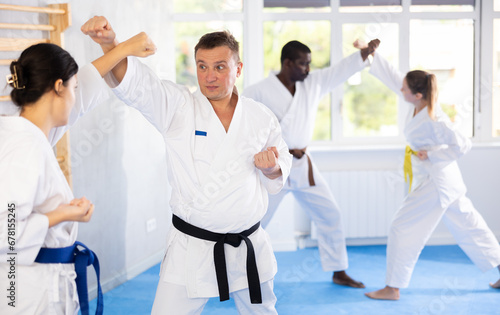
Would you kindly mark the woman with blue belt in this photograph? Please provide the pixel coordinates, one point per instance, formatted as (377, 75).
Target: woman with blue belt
(39, 258)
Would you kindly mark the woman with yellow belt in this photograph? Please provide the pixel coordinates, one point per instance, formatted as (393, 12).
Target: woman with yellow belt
(437, 191)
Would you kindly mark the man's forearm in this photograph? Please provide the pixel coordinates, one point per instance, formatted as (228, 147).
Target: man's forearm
(114, 60)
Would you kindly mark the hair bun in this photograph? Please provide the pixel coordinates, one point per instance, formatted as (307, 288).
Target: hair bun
(37, 69)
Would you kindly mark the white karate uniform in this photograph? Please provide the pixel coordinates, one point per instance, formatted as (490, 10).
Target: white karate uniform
(296, 114)
(215, 184)
(438, 192)
(33, 182)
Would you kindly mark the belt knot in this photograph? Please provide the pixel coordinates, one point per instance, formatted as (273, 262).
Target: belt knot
(407, 168)
(233, 239)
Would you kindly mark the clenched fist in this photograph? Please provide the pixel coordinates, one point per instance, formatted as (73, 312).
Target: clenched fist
(267, 162)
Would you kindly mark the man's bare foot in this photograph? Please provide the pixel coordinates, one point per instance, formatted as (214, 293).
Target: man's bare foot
(387, 293)
(495, 285)
(341, 278)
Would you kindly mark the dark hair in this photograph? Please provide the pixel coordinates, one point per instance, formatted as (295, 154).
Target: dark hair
(37, 70)
(218, 39)
(424, 83)
(291, 50)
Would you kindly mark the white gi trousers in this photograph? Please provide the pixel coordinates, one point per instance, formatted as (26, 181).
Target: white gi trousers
(418, 217)
(172, 299)
(320, 205)
(41, 289)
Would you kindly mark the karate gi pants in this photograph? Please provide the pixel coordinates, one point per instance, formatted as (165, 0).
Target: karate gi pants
(172, 299)
(418, 217)
(319, 203)
(41, 289)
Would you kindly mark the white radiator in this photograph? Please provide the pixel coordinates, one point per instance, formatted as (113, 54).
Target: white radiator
(367, 199)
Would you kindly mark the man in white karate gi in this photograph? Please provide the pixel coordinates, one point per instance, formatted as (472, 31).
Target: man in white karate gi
(225, 154)
(293, 95)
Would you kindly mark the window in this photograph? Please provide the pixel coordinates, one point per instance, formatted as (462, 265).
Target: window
(446, 48)
(203, 6)
(442, 6)
(194, 18)
(354, 6)
(496, 78)
(296, 5)
(369, 108)
(443, 37)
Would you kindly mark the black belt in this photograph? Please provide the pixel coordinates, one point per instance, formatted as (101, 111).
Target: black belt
(233, 239)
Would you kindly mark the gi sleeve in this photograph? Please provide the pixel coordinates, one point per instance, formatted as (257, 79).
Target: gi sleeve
(387, 74)
(144, 91)
(274, 186)
(91, 91)
(329, 78)
(22, 231)
(253, 92)
(453, 144)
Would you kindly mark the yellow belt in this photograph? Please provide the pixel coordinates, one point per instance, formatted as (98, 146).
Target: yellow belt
(407, 165)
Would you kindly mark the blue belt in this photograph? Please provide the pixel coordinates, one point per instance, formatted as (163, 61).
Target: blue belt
(81, 259)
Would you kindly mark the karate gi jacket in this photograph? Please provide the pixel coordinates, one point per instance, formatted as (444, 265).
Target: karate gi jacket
(296, 113)
(215, 184)
(31, 184)
(444, 145)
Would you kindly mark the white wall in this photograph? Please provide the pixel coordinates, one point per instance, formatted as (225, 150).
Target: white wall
(124, 172)
(118, 158)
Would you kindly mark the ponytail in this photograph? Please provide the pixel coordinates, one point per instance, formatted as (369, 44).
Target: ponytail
(431, 95)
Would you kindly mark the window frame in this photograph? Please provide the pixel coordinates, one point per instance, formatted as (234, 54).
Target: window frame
(484, 115)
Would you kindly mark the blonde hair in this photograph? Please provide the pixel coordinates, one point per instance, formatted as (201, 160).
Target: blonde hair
(424, 83)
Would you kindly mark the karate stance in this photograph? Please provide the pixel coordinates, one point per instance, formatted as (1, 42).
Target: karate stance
(437, 191)
(38, 212)
(293, 95)
(224, 154)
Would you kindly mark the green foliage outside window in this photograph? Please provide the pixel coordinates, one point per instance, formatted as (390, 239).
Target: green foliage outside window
(369, 107)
